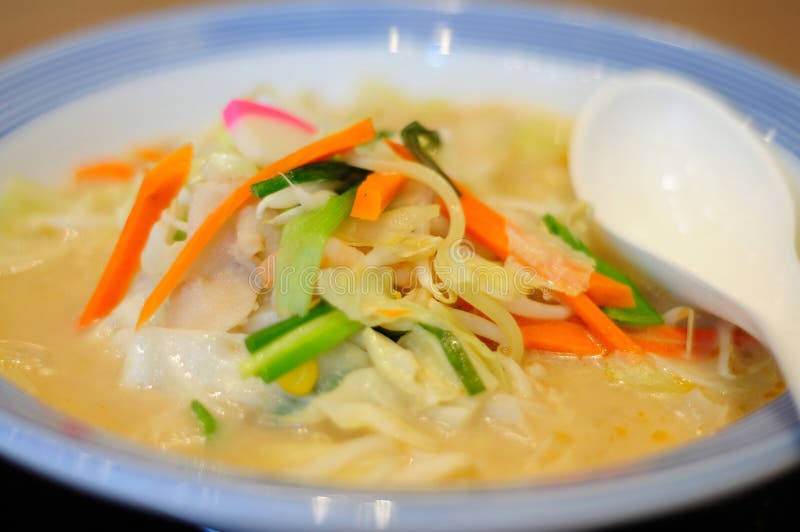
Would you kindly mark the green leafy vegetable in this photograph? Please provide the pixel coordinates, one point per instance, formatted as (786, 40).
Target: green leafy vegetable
(458, 358)
(300, 253)
(299, 345)
(207, 421)
(414, 135)
(260, 338)
(640, 315)
(322, 171)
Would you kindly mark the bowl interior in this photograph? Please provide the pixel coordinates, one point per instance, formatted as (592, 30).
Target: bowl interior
(99, 98)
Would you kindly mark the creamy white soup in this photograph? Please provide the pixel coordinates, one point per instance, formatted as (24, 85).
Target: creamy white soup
(397, 293)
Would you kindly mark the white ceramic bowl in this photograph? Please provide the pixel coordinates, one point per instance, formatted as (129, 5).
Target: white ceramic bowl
(170, 74)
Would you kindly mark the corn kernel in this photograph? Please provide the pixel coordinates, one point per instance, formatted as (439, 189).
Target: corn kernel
(301, 380)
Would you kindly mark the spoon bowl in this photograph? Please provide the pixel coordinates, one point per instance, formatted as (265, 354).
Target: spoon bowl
(682, 186)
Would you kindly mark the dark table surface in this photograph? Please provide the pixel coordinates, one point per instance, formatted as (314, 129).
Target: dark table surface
(767, 507)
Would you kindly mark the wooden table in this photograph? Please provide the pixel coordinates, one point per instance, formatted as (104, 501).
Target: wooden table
(765, 28)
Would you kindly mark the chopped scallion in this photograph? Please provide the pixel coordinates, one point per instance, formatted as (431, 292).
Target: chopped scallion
(459, 359)
(260, 338)
(300, 252)
(207, 421)
(299, 345)
(322, 171)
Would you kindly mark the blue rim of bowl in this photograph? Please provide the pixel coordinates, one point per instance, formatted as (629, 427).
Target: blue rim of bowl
(752, 449)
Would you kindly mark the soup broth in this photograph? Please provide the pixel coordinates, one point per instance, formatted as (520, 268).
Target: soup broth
(550, 413)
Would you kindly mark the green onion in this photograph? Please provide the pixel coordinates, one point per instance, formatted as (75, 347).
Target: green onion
(260, 338)
(299, 345)
(458, 358)
(207, 421)
(300, 253)
(179, 236)
(413, 135)
(640, 315)
(561, 231)
(322, 171)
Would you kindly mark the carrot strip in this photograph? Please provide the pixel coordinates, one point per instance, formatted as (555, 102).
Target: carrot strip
(399, 150)
(321, 149)
(670, 341)
(601, 326)
(150, 154)
(393, 312)
(669, 333)
(607, 292)
(560, 337)
(105, 171)
(159, 188)
(485, 226)
(375, 193)
(666, 340)
(673, 349)
(665, 349)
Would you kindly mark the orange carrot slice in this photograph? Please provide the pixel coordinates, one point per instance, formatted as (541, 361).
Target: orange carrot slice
(159, 188)
(321, 149)
(399, 150)
(601, 326)
(393, 312)
(109, 170)
(670, 341)
(607, 292)
(149, 154)
(375, 193)
(560, 337)
(485, 226)
(670, 349)
(668, 333)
